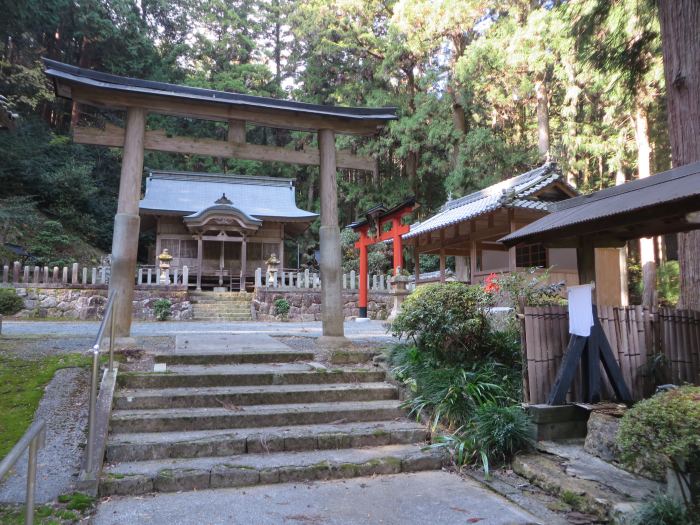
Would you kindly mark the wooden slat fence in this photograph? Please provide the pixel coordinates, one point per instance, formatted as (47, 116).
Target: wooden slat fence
(652, 346)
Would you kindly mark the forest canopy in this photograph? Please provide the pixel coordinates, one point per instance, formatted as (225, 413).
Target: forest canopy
(485, 89)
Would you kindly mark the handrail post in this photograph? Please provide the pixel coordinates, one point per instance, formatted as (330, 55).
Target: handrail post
(111, 339)
(93, 404)
(31, 480)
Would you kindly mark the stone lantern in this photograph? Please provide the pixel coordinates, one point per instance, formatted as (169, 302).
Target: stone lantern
(164, 259)
(273, 264)
(399, 292)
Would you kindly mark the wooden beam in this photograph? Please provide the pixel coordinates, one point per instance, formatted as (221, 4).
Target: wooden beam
(209, 110)
(158, 140)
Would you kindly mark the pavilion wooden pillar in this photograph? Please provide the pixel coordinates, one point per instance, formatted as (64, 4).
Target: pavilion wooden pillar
(329, 236)
(416, 262)
(585, 260)
(244, 262)
(442, 265)
(199, 262)
(126, 222)
(472, 262)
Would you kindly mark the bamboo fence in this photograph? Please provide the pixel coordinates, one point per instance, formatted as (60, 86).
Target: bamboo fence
(652, 346)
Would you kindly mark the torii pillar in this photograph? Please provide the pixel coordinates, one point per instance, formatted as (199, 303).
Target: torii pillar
(329, 236)
(126, 222)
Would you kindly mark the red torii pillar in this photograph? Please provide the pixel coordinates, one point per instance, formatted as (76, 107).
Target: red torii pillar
(397, 230)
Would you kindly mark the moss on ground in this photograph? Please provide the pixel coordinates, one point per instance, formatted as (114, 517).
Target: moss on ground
(22, 383)
(69, 509)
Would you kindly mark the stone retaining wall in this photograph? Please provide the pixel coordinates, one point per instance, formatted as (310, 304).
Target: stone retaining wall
(87, 302)
(305, 305)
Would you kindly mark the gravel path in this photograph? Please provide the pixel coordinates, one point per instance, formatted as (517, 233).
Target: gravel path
(64, 408)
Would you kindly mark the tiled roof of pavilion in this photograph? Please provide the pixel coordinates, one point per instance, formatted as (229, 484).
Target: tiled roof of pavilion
(186, 193)
(516, 192)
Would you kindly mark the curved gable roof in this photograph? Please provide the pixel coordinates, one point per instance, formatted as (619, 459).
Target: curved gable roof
(186, 193)
(515, 192)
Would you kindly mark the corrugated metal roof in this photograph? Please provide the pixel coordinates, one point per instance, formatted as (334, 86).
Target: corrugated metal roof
(633, 202)
(186, 193)
(89, 77)
(512, 192)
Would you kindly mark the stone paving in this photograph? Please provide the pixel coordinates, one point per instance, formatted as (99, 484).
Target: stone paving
(370, 330)
(405, 499)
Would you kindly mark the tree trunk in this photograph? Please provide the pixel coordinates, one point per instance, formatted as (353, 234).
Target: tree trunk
(542, 119)
(680, 20)
(647, 259)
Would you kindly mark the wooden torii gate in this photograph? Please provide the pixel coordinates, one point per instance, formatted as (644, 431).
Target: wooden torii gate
(375, 219)
(141, 97)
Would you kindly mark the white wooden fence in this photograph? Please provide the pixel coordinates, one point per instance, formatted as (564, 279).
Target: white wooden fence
(312, 280)
(149, 276)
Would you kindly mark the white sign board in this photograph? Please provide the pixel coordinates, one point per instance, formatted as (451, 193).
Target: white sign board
(580, 309)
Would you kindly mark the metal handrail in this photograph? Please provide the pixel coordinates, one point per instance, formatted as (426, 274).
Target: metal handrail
(34, 439)
(108, 318)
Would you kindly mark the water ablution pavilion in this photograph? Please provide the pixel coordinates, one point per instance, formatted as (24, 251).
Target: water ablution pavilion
(138, 98)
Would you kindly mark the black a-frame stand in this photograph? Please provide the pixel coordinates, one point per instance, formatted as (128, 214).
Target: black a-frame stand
(589, 350)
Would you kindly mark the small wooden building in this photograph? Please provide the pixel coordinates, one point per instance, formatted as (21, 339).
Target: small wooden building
(222, 227)
(470, 227)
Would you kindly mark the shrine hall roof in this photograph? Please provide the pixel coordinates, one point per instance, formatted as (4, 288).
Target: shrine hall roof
(185, 193)
(516, 192)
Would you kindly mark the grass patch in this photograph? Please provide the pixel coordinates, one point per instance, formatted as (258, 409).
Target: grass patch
(573, 500)
(77, 501)
(69, 509)
(22, 383)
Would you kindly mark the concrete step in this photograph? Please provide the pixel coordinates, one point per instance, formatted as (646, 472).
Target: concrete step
(186, 376)
(233, 307)
(173, 419)
(174, 475)
(223, 318)
(226, 442)
(220, 300)
(221, 295)
(256, 395)
(221, 307)
(233, 357)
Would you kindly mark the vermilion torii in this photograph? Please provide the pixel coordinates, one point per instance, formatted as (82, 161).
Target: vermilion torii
(371, 230)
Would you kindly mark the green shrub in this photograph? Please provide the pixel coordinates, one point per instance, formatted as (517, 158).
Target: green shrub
(447, 321)
(10, 302)
(450, 395)
(501, 431)
(281, 307)
(493, 435)
(161, 309)
(663, 431)
(662, 510)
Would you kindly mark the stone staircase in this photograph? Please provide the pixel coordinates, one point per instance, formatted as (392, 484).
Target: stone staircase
(230, 419)
(221, 306)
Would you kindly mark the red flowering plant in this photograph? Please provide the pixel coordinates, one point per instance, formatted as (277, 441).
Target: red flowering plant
(491, 285)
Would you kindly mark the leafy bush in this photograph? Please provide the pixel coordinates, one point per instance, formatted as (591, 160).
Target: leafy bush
(447, 321)
(501, 431)
(662, 510)
(10, 302)
(281, 307)
(663, 431)
(161, 309)
(449, 395)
